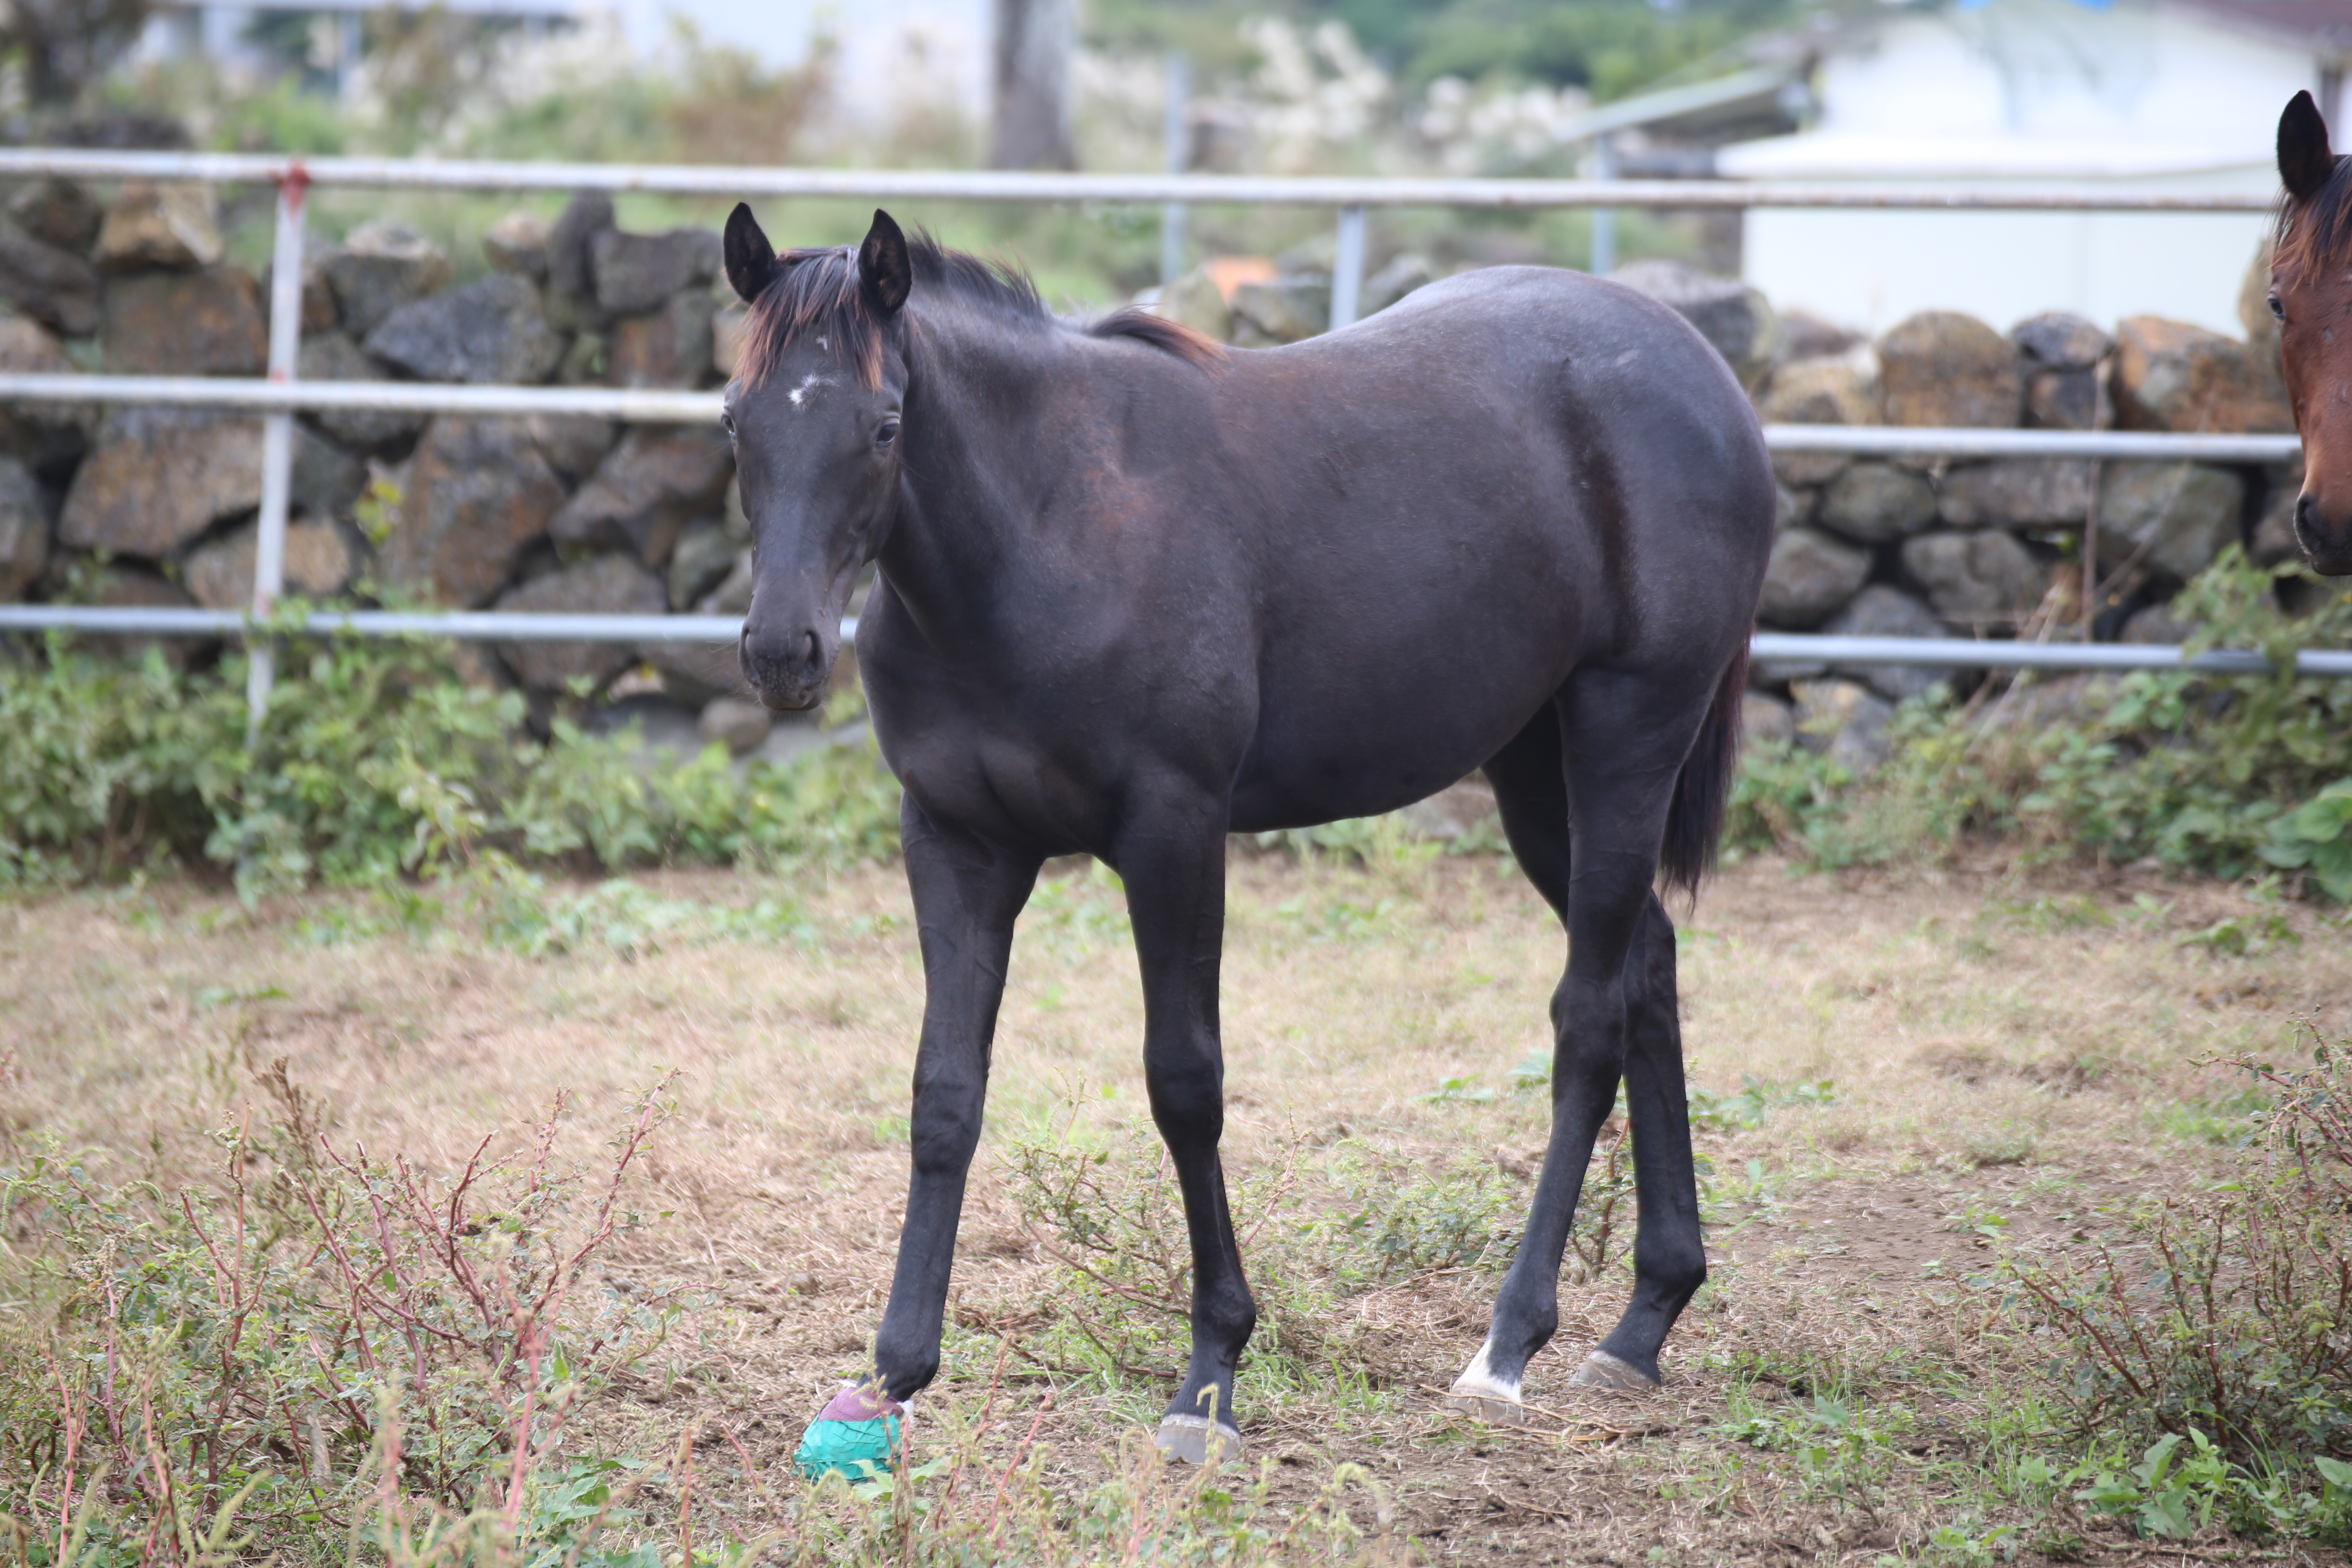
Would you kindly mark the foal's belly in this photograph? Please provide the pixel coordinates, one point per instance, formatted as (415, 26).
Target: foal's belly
(1311, 763)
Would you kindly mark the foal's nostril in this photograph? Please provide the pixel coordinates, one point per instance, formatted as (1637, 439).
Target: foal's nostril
(815, 650)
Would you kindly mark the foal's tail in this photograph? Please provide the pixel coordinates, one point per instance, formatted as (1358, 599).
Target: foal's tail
(1695, 820)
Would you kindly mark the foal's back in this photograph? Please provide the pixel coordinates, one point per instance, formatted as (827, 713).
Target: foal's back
(1449, 507)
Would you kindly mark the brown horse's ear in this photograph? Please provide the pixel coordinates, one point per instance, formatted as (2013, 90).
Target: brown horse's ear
(885, 273)
(752, 262)
(2303, 161)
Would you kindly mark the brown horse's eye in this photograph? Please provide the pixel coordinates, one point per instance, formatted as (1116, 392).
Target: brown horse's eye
(2277, 309)
(886, 433)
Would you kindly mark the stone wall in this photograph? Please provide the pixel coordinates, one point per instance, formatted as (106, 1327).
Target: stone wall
(155, 507)
(1928, 547)
(132, 506)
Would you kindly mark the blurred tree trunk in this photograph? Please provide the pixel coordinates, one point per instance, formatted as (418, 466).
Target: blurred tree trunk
(67, 44)
(1031, 128)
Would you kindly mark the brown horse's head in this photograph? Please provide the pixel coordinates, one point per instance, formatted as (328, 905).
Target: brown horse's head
(2311, 294)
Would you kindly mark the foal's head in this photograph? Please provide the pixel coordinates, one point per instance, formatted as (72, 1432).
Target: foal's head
(813, 413)
(2311, 294)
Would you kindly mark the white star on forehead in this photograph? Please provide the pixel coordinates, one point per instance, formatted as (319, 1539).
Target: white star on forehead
(799, 395)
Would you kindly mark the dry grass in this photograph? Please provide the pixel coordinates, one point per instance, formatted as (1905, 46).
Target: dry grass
(2004, 1057)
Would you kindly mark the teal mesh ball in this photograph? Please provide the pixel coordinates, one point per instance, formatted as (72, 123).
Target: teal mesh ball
(858, 1449)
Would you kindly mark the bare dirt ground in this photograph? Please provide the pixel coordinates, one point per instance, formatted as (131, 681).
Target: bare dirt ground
(1995, 1064)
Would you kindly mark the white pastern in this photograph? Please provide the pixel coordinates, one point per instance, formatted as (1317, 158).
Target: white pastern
(1480, 1380)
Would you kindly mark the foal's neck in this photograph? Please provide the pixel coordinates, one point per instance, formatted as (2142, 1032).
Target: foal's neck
(984, 444)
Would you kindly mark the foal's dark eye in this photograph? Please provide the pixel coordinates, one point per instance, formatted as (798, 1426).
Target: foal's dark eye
(887, 433)
(726, 423)
(2277, 309)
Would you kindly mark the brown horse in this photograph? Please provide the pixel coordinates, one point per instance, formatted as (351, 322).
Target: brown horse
(2311, 295)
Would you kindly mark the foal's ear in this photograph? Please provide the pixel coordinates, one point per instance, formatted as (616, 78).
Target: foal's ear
(885, 274)
(2304, 162)
(752, 262)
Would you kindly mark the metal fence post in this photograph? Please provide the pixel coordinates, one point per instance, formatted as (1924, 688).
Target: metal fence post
(276, 436)
(1604, 219)
(1348, 268)
(1176, 138)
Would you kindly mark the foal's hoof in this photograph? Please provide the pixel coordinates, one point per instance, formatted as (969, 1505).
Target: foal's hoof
(1484, 1396)
(1197, 1440)
(1603, 1370)
(858, 1435)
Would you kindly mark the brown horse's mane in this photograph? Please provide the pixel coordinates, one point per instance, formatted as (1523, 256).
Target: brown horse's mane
(2315, 232)
(816, 291)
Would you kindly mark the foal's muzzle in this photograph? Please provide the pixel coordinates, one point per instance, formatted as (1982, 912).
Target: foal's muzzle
(789, 669)
(2326, 540)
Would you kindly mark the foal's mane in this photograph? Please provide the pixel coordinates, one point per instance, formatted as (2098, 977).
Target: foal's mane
(2313, 234)
(816, 291)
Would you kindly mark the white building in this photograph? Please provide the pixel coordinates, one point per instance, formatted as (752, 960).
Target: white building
(2171, 94)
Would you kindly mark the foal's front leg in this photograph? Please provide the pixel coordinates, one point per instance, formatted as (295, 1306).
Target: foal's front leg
(1173, 858)
(968, 891)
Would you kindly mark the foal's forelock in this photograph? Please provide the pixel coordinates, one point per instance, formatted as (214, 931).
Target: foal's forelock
(814, 291)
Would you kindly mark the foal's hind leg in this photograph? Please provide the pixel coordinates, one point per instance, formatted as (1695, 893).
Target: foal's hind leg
(1670, 1247)
(1625, 746)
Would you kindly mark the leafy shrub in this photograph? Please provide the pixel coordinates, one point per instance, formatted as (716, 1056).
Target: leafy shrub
(325, 1348)
(2227, 1314)
(375, 761)
(2222, 776)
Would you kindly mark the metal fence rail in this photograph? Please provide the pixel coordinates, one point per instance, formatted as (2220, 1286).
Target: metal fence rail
(719, 631)
(280, 397)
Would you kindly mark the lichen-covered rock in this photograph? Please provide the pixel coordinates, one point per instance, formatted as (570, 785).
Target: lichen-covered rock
(609, 585)
(635, 273)
(1278, 310)
(1846, 720)
(491, 332)
(168, 227)
(571, 274)
(53, 285)
(157, 478)
(2273, 538)
(1809, 576)
(2062, 389)
(2173, 375)
(1735, 317)
(666, 347)
(24, 529)
(477, 495)
(1872, 502)
(1881, 611)
(123, 586)
(58, 211)
(2171, 519)
(705, 553)
(729, 329)
(1792, 507)
(379, 267)
(1982, 581)
(572, 444)
(207, 323)
(331, 356)
(1839, 390)
(1948, 368)
(1192, 301)
(518, 243)
(2016, 493)
(736, 722)
(44, 436)
(1764, 719)
(2155, 624)
(326, 480)
(644, 492)
(319, 560)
